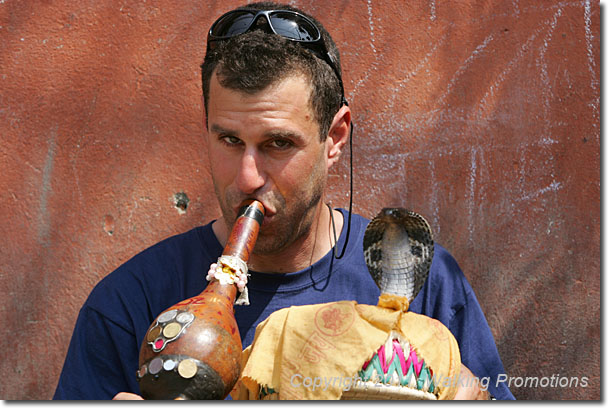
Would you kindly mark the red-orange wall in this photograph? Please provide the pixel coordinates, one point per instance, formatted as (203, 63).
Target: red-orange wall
(482, 115)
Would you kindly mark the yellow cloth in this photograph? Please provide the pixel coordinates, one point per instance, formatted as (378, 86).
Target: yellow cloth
(312, 352)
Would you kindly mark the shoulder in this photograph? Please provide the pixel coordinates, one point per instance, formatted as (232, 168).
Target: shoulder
(358, 219)
(354, 225)
(447, 275)
(154, 276)
(445, 268)
(174, 248)
(446, 291)
(165, 254)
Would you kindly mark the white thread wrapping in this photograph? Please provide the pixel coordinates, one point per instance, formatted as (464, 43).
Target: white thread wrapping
(236, 274)
(234, 263)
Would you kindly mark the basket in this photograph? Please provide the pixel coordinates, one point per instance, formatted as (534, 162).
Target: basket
(394, 372)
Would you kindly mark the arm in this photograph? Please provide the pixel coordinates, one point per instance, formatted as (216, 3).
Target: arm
(448, 297)
(478, 348)
(100, 361)
(102, 357)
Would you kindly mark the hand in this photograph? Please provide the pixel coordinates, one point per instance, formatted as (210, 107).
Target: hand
(127, 396)
(471, 391)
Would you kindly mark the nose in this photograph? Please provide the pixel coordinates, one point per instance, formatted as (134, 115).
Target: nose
(249, 175)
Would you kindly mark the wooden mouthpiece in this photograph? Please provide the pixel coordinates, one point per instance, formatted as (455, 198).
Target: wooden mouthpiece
(245, 230)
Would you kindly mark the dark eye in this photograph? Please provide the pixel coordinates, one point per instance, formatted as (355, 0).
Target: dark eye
(280, 144)
(230, 139)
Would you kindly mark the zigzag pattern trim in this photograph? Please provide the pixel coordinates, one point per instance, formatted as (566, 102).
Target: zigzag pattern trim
(390, 365)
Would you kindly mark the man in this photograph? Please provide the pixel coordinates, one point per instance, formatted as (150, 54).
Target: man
(277, 121)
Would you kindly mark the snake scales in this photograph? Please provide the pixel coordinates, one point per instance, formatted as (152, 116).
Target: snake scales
(398, 249)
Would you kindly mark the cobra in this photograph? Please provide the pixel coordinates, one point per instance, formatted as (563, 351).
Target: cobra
(398, 250)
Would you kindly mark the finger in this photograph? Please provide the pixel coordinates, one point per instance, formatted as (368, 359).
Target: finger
(127, 396)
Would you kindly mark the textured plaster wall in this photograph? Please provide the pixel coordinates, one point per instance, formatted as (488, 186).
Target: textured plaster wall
(482, 115)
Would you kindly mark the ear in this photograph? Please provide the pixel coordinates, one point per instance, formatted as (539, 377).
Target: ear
(338, 135)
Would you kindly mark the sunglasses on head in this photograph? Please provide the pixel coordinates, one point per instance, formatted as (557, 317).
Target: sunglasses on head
(289, 24)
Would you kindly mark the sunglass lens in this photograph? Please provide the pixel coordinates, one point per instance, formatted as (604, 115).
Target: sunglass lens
(233, 24)
(294, 27)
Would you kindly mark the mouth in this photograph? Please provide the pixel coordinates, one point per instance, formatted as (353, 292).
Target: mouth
(266, 221)
(269, 213)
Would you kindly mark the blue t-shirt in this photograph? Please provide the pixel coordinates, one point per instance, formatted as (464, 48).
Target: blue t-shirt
(102, 358)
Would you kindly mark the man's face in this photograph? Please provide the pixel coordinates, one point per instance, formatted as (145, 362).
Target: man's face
(266, 146)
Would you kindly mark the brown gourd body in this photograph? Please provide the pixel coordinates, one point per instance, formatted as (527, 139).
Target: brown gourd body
(193, 349)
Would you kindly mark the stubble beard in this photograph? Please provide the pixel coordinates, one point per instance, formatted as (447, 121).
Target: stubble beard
(289, 223)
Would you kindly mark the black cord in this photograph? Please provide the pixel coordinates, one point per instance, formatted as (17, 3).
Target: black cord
(351, 190)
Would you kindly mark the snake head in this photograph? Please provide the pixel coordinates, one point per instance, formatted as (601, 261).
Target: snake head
(398, 250)
(393, 213)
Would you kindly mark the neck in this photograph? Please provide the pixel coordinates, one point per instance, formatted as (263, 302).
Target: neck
(303, 252)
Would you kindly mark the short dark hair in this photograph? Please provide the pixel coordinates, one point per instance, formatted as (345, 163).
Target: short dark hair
(255, 60)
